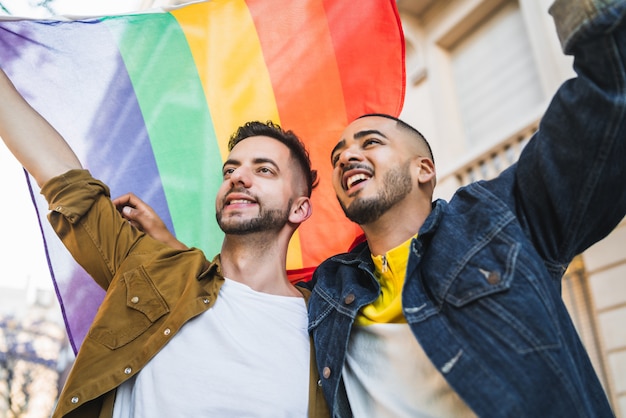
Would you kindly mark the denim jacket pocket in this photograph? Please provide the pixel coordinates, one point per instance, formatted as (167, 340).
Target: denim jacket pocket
(499, 295)
(137, 304)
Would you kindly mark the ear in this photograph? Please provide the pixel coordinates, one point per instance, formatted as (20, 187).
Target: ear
(301, 210)
(426, 171)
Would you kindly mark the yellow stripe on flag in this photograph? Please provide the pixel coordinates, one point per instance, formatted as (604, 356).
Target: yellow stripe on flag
(228, 55)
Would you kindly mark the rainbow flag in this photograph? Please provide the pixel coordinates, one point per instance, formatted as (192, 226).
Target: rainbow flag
(149, 100)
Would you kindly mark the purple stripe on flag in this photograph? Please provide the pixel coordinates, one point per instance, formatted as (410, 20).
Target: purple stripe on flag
(110, 130)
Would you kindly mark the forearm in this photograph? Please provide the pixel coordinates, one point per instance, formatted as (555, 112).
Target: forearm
(571, 177)
(35, 143)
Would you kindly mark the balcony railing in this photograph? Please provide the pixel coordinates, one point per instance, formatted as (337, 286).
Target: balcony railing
(493, 161)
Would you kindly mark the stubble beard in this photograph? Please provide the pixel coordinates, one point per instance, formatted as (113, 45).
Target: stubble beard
(268, 220)
(397, 184)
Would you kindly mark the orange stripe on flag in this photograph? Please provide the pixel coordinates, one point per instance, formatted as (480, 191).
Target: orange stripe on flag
(221, 33)
(304, 61)
(308, 62)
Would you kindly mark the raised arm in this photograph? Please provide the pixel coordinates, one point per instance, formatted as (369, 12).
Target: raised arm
(571, 177)
(35, 143)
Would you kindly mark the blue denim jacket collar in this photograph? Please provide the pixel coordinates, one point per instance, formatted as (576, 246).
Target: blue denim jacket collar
(462, 244)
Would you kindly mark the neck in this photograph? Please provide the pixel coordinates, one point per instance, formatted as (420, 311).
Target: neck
(258, 261)
(394, 227)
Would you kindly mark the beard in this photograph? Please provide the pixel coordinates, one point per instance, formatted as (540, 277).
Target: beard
(397, 184)
(268, 220)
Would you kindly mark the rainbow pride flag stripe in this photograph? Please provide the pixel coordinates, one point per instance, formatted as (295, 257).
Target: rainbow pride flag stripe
(149, 100)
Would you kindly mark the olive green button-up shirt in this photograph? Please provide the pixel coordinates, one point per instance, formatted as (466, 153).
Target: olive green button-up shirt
(152, 290)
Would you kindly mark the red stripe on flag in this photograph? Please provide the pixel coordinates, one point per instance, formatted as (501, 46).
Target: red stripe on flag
(379, 54)
(317, 91)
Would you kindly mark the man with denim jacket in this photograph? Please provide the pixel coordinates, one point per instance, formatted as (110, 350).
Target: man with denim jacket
(177, 335)
(454, 309)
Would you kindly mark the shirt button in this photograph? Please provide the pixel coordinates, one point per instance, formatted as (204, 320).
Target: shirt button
(74, 399)
(326, 372)
(493, 277)
(349, 298)
(319, 383)
(166, 331)
(206, 300)
(134, 299)
(128, 370)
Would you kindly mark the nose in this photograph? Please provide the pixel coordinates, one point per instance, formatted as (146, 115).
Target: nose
(349, 155)
(241, 177)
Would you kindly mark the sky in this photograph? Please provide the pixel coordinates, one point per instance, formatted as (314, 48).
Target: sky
(22, 258)
(23, 8)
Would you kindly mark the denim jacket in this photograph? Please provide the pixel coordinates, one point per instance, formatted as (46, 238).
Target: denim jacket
(482, 292)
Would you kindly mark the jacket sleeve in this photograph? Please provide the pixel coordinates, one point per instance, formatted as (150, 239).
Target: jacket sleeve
(87, 222)
(571, 178)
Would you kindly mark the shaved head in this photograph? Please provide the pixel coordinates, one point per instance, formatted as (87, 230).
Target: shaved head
(424, 146)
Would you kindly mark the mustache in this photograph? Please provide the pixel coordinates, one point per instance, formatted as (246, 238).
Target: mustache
(239, 190)
(359, 166)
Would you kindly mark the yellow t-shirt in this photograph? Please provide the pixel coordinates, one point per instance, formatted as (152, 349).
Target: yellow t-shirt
(390, 273)
(387, 373)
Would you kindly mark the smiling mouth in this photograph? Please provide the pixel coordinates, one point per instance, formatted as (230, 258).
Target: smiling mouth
(238, 201)
(237, 198)
(356, 179)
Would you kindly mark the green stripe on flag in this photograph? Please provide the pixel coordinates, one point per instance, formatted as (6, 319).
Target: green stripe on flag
(158, 59)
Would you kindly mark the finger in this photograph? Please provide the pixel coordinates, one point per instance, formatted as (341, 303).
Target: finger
(127, 212)
(135, 224)
(121, 202)
(140, 218)
(128, 199)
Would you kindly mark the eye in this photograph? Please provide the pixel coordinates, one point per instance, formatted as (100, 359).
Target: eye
(371, 141)
(334, 159)
(265, 170)
(226, 172)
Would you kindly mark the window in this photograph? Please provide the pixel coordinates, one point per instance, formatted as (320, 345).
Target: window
(495, 76)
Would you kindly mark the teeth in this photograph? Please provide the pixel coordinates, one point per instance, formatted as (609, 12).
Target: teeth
(354, 179)
(234, 202)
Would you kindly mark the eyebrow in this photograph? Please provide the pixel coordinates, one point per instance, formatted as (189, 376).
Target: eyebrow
(358, 135)
(256, 161)
(361, 134)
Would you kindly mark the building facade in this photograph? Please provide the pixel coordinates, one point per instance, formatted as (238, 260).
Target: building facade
(34, 352)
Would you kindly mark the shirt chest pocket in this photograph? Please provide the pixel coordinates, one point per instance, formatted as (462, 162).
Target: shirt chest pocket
(131, 306)
(501, 293)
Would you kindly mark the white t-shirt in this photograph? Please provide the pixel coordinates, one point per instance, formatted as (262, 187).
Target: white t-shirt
(248, 356)
(387, 374)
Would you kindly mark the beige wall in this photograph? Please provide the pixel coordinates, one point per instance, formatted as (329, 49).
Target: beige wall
(605, 263)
